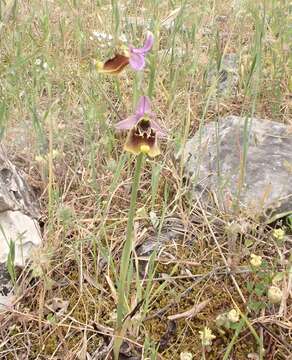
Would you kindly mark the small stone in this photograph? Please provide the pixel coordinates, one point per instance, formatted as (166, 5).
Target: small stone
(6, 301)
(186, 356)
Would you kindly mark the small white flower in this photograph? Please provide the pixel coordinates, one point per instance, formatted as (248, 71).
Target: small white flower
(22, 93)
(45, 66)
(96, 34)
(101, 36)
(40, 159)
(221, 320)
(255, 260)
(275, 295)
(113, 316)
(186, 356)
(123, 38)
(233, 316)
(206, 336)
(279, 234)
(38, 62)
(55, 153)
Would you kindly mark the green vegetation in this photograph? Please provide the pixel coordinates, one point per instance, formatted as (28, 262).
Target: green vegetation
(57, 117)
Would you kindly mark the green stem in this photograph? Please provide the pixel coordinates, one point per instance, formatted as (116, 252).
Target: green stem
(234, 338)
(123, 286)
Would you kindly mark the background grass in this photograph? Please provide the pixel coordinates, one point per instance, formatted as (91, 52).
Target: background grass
(56, 118)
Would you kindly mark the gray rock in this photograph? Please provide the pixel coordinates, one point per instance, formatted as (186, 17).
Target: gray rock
(15, 194)
(23, 230)
(214, 158)
(227, 77)
(6, 288)
(19, 212)
(5, 281)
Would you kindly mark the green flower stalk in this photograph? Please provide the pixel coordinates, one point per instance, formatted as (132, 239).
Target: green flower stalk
(123, 286)
(143, 132)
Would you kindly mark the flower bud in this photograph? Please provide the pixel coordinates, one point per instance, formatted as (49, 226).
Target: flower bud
(279, 234)
(255, 260)
(275, 295)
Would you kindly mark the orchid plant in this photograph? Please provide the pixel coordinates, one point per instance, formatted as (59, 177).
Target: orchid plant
(143, 133)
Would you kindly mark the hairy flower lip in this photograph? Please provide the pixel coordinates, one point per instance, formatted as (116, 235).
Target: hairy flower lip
(142, 138)
(143, 130)
(113, 66)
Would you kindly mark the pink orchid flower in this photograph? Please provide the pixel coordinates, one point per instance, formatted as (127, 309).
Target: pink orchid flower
(133, 56)
(144, 130)
(137, 55)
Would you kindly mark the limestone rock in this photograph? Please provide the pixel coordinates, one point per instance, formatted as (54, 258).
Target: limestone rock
(6, 286)
(5, 281)
(15, 194)
(19, 212)
(214, 159)
(21, 229)
(227, 78)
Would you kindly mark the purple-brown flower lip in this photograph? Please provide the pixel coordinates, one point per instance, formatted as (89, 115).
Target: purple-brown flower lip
(144, 130)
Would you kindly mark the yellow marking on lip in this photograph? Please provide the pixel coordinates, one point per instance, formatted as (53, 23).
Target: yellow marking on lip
(145, 149)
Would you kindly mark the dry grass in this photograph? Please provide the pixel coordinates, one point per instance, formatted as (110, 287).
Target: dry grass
(67, 300)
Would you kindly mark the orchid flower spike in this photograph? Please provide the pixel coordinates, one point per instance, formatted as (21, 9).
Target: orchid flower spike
(129, 55)
(143, 130)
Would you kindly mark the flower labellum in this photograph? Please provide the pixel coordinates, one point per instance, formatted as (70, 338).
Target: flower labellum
(113, 66)
(143, 130)
(129, 55)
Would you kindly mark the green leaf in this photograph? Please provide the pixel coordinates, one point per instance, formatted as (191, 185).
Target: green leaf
(248, 242)
(249, 286)
(260, 289)
(277, 278)
(256, 306)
